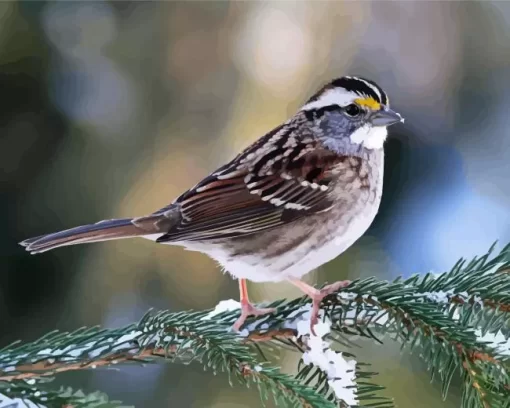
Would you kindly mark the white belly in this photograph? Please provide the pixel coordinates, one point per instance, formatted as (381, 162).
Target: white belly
(302, 259)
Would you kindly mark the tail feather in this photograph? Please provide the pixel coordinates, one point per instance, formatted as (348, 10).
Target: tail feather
(101, 231)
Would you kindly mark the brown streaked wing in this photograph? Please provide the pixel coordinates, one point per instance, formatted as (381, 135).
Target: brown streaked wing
(256, 195)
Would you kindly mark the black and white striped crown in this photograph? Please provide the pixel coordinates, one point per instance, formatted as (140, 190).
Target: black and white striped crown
(348, 89)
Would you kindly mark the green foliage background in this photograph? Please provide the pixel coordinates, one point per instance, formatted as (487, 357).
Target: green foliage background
(111, 109)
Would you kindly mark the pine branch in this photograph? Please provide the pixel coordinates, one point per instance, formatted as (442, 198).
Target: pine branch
(32, 394)
(177, 337)
(452, 320)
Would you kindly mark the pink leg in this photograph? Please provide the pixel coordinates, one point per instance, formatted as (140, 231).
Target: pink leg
(317, 295)
(247, 309)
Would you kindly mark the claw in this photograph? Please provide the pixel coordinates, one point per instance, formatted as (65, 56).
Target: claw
(247, 309)
(317, 295)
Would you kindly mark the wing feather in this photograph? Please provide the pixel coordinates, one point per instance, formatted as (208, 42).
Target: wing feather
(273, 182)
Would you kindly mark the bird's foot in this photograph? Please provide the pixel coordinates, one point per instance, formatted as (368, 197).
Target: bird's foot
(317, 298)
(317, 295)
(247, 309)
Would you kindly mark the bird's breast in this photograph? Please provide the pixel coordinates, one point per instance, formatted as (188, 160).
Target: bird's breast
(294, 249)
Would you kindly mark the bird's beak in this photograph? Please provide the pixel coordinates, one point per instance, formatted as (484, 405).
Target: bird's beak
(385, 117)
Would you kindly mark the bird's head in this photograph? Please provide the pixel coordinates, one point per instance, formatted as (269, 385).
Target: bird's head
(351, 112)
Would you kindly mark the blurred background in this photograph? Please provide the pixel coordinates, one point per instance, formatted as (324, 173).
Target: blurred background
(111, 109)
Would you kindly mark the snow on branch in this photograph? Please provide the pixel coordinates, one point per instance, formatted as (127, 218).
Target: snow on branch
(458, 322)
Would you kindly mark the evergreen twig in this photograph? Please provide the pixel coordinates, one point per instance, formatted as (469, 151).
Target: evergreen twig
(448, 319)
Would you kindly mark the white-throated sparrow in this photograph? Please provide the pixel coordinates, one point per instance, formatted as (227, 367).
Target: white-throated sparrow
(293, 200)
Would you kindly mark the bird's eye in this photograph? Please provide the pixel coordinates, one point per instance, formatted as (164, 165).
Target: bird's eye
(352, 110)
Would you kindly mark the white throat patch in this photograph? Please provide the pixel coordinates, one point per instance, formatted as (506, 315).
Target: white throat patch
(372, 137)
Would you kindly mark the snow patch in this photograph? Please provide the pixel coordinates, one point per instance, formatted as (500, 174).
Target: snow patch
(128, 337)
(497, 341)
(348, 295)
(6, 402)
(439, 297)
(341, 373)
(224, 306)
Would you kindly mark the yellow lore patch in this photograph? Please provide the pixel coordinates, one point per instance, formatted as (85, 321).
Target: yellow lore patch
(369, 103)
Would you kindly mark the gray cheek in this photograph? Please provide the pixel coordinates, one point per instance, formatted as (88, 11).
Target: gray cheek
(335, 125)
(335, 130)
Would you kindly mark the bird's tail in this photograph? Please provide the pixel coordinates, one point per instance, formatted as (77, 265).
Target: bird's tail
(101, 231)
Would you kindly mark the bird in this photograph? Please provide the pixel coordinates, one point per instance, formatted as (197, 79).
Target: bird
(293, 200)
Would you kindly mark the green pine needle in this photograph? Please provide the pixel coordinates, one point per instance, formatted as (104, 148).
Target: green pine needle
(438, 317)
